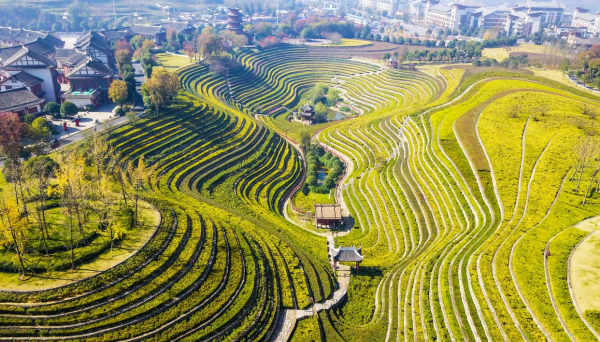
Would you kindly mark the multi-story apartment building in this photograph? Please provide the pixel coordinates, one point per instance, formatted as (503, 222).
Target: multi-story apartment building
(451, 15)
(583, 18)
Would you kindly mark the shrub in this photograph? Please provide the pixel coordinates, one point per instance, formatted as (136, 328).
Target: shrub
(118, 111)
(28, 119)
(90, 108)
(68, 109)
(52, 108)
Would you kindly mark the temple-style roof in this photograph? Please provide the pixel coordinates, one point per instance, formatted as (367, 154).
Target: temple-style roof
(94, 39)
(307, 108)
(117, 33)
(39, 45)
(44, 61)
(346, 254)
(17, 99)
(22, 36)
(69, 57)
(147, 30)
(100, 69)
(328, 212)
(175, 25)
(25, 78)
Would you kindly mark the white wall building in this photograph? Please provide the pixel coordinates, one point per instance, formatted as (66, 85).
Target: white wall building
(589, 21)
(451, 15)
(551, 10)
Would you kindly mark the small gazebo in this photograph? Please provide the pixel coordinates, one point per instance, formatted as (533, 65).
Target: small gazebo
(306, 114)
(346, 254)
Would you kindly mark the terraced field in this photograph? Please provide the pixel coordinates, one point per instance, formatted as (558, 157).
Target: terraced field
(455, 195)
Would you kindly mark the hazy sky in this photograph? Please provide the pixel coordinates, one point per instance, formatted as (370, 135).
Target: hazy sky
(592, 5)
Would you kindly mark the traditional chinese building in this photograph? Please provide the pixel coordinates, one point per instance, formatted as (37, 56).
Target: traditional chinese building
(89, 81)
(306, 114)
(328, 215)
(157, 34)
(95, 45)
(34, 61)
(234, 20)
(20, 101)
(346, 254)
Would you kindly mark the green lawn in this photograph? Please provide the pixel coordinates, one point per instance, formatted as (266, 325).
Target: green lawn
(172, 62)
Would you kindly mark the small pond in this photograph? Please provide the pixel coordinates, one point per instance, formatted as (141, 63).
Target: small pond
(332, 115)
(323, 172)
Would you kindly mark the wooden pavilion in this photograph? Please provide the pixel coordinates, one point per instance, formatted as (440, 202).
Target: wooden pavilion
(346, 254)
(328, 215)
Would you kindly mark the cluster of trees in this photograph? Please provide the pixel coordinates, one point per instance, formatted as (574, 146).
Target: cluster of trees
(512, 62)
(33, 18)
(160, 91)
(80, 184)
(122, 91)
(588, 66)
(321, 97)
(315, 159)
(143, 51)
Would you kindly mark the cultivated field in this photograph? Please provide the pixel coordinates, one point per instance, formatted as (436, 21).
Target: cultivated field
(465, 186)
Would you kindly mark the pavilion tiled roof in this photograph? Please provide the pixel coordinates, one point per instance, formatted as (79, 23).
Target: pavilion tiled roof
(147, 30)
(346, 254)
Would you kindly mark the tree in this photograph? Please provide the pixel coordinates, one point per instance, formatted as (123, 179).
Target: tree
(71, 185)
(118, 92)
(52, 108)
(386, 57)
(11, 132)
(123, 45)
(189, 50)
(583, 153)
(28, 119)
(139, 176)
(40, 133)
(172, 38)
(68, 109)
(209, 44)
(148, 45)
(305, 141)
(12, 226)
(40, 169)
(161, 89)
(320, 112)
(123, 57)
(132, 118)
(136, 42)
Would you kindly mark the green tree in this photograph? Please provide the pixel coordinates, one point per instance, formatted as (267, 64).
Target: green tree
(28, 119)
(52, 108)
(68, 109)
(320, 113)
(136, 42)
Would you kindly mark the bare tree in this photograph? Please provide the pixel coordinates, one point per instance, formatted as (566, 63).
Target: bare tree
(514, 110)
(583, 154)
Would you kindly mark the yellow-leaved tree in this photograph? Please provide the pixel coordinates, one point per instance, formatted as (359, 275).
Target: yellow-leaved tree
(71, 187)
(139, 176)
(13, 228)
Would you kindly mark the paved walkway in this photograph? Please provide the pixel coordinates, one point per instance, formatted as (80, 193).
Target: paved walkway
(86, 121)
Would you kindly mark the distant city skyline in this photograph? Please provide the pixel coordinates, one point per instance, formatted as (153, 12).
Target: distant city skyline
(592, 5)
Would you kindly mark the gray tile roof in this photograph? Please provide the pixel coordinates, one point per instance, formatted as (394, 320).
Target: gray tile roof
(17, 99)
(346, 254)
(147, 30)
(25, 78)
(24, 51)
